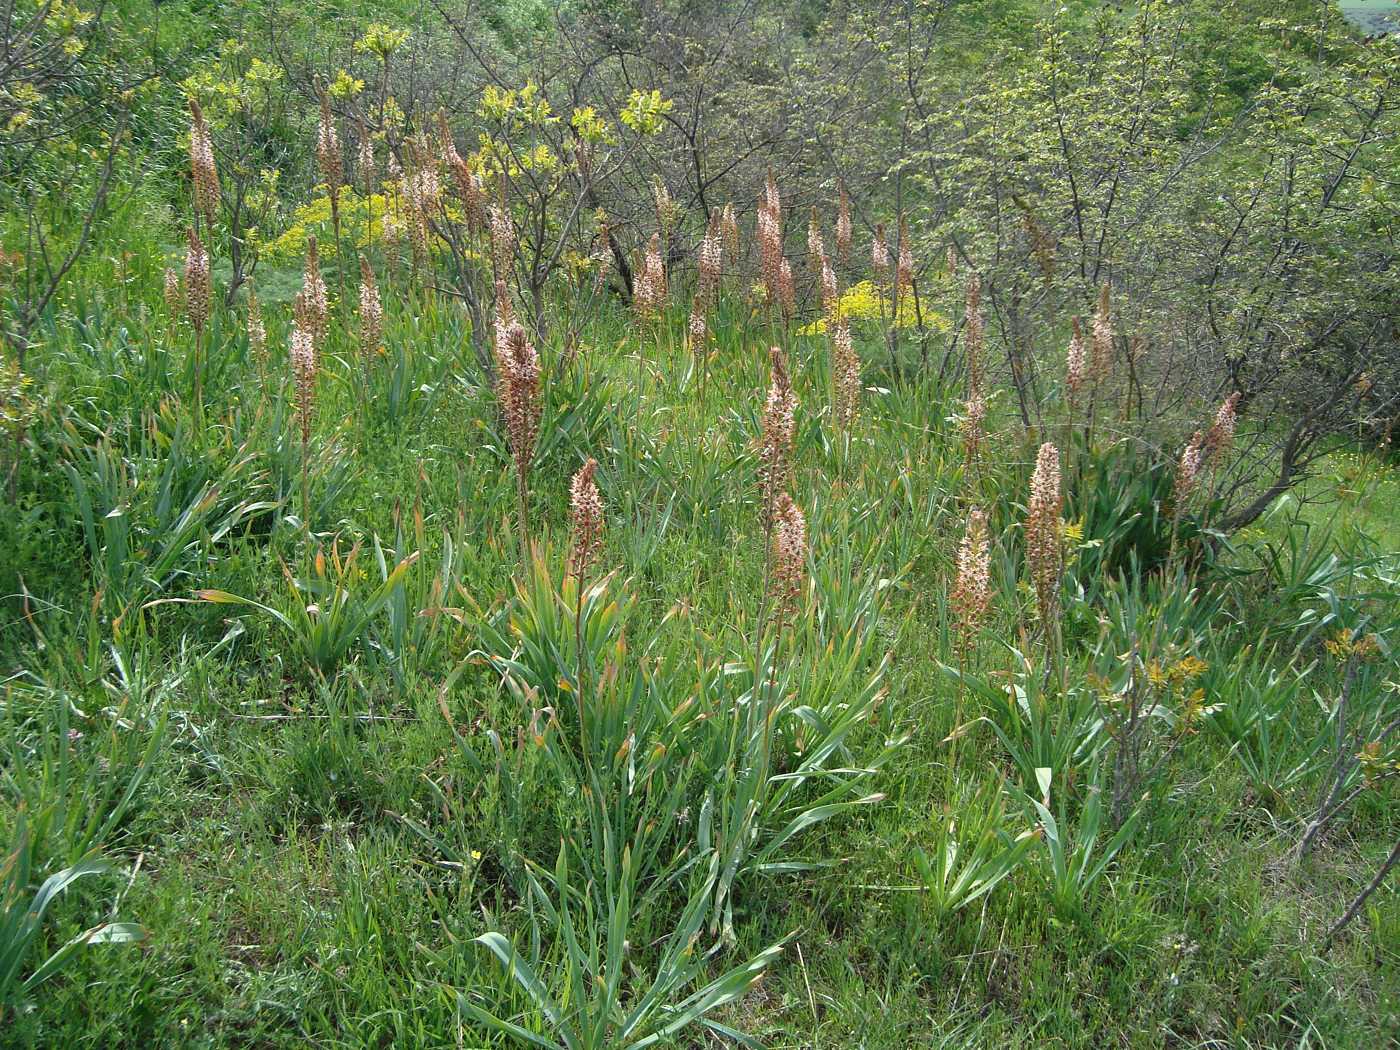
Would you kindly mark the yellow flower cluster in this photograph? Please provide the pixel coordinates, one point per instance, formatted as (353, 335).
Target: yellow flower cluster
(1183, 670)
(359, 217)
(497, 155)
(1347, 643)
(644, 111)
(381, 40)
(525, 104)
(863, 302)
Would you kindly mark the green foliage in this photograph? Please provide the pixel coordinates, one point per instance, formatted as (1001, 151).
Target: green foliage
(971, 853)
(325, 612)
(1072, 864)
(22, 917)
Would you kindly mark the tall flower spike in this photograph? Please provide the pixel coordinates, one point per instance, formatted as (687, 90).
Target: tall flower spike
(310, 308)
(649, 291)
(711, 260)
(204, 173)
(974, 427)
(695, 327)
(665, 207)
(502, 240)
(520, 385)
(1043, 531)
(424, 193)
(302, 354)
(1188, 470)
(470, 189)
(257, 333)
(952, 261)
(789, 557)
(779, 432)
(365, 166)
(1222, 432)
(787, 290)
(729, 226)
(371, 313)
(880, 254)
(174, 293)
(505, 318)
(772, 198)
(831, 302)
(1103, 335)
(972, 593)
(845, 367)
(1076, 364)
(328, 148)
(198, 288)
(843, 227)
(586, 519)
(770, 252)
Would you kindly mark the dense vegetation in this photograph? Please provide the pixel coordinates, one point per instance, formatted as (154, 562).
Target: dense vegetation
(687, 524)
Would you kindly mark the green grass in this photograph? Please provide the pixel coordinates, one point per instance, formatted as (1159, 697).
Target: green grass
(317, 845)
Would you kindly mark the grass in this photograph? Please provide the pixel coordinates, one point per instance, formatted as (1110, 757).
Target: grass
(329, 824)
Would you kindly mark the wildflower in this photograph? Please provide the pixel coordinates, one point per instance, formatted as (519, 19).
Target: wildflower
(586, 519)
(649, 291)
(665, 207)
(845, 366)
(198, 288)
(972, 593)
(779, 432)
(973, 427)
(174, 292)
(1222, 432)
(1043, 530)
(364, 161)
(1188, 469)
(711, 259)
(371, 312)
(789, 556)
(257, 334)
(470, 189)
(391, 236)
(1075, 363)
(310, 308)
(202, 169)
(830, 295)
(695, 327)
(880, 254)
(1103, 335)
(770, 252)
(505, 317)
(302, 353)
(843, 226)
(952, 261)
(520, 387)
(424, 193)
(328, 150)
(787, 291)
(729, 226)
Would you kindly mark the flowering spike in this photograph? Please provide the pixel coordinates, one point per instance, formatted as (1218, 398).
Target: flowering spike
(1043, 531)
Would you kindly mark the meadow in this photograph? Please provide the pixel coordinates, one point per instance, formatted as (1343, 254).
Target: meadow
(444, 610)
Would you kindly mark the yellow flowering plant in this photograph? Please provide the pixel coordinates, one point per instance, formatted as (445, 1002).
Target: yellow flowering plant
(863, 302)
